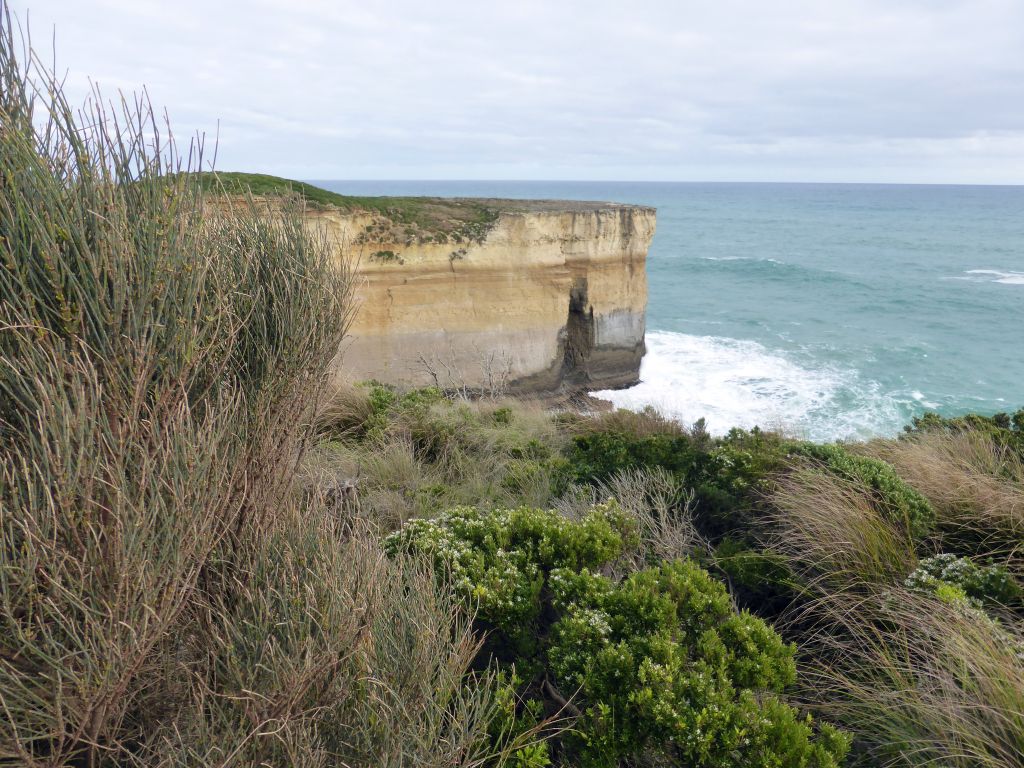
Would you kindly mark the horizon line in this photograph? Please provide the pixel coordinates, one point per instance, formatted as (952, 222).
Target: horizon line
(663, 181)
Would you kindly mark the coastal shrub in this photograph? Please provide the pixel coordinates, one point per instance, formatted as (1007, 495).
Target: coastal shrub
(732, 475)
(920, 659)
(1003, 429)
(598, 456)
(756, 577)
(740, 473)
(499, 560)
(659, 663)
(728, 475)
(984, 584)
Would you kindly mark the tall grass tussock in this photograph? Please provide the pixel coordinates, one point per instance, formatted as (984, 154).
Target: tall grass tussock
(975, 485)
(925, 681)
(927, 671)
(167, 595)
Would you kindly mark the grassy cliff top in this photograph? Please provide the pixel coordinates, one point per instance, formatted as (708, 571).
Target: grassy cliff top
(469, 217)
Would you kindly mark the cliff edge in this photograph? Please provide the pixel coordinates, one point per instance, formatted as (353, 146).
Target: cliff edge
(538, 297)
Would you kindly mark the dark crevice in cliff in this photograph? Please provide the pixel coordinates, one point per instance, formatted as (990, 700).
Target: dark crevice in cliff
(579, 332)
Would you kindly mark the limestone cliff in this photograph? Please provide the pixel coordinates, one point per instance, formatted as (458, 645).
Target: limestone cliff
(541, 297)
(537, 297)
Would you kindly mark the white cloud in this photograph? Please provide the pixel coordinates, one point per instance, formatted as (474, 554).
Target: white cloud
(887, 90)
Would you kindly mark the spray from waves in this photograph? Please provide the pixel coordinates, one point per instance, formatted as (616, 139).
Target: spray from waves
(738, 383)
(1006, 277)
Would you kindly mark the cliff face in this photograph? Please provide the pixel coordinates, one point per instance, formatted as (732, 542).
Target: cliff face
(544, 298)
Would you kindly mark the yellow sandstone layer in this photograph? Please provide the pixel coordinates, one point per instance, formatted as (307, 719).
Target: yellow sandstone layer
(549, 300)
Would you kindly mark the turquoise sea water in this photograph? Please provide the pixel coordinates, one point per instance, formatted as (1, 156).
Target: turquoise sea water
(830, 310)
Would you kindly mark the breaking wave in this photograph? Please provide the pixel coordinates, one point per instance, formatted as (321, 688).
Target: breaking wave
(741, 383)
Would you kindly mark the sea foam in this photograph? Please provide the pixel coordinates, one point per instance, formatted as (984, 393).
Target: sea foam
(741, 383)
(1006, 277)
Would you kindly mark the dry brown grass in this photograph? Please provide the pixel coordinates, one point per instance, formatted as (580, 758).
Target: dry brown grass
(392, 484)
(661, 506)
(663, 509)
(325, 651)
(975, 486)
(923, 682)
(831, 531)
(344, 411)
(643, 423)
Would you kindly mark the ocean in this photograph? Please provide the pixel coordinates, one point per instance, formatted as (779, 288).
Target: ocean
(830, 311)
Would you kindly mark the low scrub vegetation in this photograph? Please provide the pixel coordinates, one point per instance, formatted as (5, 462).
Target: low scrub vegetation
(657, 663)
(844, 562)
(213, 554)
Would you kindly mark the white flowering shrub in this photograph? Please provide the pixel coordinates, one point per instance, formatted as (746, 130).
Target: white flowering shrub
(659, 663)
(499, 560)
(950, 577)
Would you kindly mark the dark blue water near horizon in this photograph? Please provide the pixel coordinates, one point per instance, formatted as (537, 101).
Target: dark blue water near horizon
(829, 310)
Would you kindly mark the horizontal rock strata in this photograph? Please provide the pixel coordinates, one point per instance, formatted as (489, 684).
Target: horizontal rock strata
(547, 298)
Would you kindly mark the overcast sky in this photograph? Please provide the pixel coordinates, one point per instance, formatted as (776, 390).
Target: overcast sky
(743, 90)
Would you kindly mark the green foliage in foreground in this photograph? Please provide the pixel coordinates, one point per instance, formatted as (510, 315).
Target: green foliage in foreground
(658, 663)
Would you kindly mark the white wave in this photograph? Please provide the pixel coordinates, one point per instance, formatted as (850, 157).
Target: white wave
(738, 383)
(1006, 277)
(741, 258)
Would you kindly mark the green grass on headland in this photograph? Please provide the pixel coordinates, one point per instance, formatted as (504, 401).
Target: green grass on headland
(422, 218)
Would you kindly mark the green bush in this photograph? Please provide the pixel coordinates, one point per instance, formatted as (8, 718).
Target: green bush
(385, 401)
(728, 475)
(736, 479)
(499, 560)
(598, 456)
(982, 584)
(756, 577)
(658, 663)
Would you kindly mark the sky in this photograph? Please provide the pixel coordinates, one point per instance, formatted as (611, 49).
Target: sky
(896, 91)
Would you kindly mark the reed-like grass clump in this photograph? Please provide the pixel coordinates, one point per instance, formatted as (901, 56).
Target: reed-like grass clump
(920, 654)
(167, 595)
